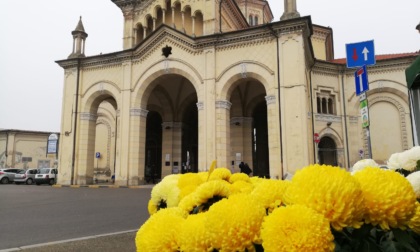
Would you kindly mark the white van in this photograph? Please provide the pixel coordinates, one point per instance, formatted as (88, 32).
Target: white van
(46, 176)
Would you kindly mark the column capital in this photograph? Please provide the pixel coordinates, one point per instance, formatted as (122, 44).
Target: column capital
(200, 105)
(223, 104)
(86, 116)
(138, 112)
(270, 99)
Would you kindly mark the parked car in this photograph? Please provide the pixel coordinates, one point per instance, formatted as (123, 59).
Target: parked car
(7, 175)
(46, 176)
(26, 176)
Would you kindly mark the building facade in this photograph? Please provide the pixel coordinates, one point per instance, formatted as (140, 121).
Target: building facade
(28, 149)
(199, 81)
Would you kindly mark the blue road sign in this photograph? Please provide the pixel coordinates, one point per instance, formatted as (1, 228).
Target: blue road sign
(360, 54)
(361, 80)
(98, 154)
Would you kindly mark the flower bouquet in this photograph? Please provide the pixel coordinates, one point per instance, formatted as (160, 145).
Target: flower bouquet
(322, 208)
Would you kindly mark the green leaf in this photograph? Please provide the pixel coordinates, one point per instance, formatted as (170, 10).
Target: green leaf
(404, 239)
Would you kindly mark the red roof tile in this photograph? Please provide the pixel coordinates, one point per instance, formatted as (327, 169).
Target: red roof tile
(381, 57)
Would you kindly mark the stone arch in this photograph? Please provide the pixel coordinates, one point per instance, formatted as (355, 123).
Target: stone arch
(145, 83)
(108, 150)
(389, 87)
(168, 108)
(402, 114)
(247, 69)
(92, 98)
(331, 133)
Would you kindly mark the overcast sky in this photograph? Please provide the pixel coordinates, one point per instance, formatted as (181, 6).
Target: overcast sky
(34, 34)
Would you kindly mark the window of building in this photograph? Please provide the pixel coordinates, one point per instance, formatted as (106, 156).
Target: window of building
(251, 20)
(256, 20)
(325, 103)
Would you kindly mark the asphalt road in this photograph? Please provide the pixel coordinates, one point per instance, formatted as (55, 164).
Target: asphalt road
(33, 215)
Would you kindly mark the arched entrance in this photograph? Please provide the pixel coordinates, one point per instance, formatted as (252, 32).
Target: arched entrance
(101, 125)
(105, 142)
(260, 151)
(171, 144)
(249, 128)
(327, 151)
(190, 139)
(153, 159)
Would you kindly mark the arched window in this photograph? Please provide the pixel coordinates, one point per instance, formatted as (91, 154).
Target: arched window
(256, 20)
(325, 102)
(327, 151)
(251, 20)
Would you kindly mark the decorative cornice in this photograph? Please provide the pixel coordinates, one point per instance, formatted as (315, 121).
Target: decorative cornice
(223, 104)
(138, 112)
(327, 118)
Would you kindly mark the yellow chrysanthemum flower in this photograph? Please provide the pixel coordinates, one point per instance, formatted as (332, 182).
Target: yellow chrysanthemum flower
(331, 191)
(296, 228)
(203, 175)
(166, 193)
(234, 224)
(160, 232)
(256, 180)
(389, 197)
(241, 186)
(220, 173)
(239, 177)
(270, 193)
(152, 208)
(414, 223)
(210, 192)
(205, 195)
(193, 236)
(188, 182)
(188, 203)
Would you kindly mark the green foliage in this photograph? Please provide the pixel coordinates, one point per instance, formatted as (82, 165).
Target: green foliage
(369, 238)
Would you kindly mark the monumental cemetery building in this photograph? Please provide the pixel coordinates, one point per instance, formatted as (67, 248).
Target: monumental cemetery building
(197, 81)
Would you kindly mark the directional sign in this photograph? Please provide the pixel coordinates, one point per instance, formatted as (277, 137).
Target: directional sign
(361, 80)
(364, 111)
(360, 54)
(98, 155)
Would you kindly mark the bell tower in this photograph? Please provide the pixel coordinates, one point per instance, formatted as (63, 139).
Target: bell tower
(79, 39)
(290, 10)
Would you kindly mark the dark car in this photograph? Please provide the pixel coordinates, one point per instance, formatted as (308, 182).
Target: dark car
(7, 175)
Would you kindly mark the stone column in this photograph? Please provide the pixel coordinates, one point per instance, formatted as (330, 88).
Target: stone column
(163, 16)
(274, 146)
(193, 26)
(173, 17)
(85, 149)
(183, 21)
(136, 162)
(223, 133)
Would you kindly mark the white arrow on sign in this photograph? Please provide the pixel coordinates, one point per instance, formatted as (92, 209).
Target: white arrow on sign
(365, 52)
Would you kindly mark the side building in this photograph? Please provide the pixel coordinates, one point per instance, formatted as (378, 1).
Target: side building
(28, 149)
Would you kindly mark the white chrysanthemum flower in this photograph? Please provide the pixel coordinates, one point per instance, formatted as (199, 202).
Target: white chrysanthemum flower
(409, 158)
(394, 162)
(361, 164)
(414, 179)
